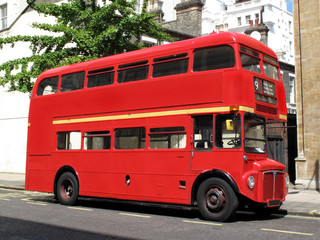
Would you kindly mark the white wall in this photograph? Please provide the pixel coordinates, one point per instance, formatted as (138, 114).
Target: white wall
(13, 131)
(14, 106)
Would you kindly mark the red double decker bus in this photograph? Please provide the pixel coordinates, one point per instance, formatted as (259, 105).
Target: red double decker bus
(182, 123)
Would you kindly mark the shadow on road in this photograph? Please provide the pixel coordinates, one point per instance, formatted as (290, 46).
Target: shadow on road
(159, 209)
(21, 229)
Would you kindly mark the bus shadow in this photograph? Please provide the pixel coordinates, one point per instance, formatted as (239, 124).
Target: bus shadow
(169, 210)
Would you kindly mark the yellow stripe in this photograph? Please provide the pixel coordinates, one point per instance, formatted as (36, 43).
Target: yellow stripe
(289, 232)
(246, 109)
(143, 115)
(283, 117)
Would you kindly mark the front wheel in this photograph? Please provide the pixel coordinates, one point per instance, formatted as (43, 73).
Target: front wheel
(67, 189)
(216, 200)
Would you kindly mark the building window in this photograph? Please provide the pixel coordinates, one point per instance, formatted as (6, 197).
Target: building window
(3, 16)
(257, 16)
(239, 21)
(248, 19)
(292, 99)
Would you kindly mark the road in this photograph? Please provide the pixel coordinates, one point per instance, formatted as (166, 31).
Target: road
(34, 215)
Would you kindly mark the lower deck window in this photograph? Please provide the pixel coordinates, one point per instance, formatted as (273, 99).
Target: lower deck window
(69, 141)
(168, 138)
(130, 138)
(97, 140)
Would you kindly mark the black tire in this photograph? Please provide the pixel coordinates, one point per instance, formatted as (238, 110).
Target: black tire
(216, 200)
(67, 189)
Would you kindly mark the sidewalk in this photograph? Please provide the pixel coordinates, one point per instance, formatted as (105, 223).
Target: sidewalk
(298, 202)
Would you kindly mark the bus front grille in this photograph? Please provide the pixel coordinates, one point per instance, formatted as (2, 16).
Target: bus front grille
(273, 185)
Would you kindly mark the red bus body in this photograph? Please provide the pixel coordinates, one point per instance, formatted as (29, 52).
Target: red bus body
(156, 106)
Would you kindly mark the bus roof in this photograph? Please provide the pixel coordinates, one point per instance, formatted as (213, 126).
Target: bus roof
(163, 50)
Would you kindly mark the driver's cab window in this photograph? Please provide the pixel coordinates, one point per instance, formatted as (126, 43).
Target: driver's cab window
(203, 128)
(228, 131)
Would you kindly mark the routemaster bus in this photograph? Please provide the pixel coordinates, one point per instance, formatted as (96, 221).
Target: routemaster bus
(182, 123)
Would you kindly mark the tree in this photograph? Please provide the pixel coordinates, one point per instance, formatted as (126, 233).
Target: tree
(83, 30)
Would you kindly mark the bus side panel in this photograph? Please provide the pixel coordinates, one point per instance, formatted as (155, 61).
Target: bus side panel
(167, 180)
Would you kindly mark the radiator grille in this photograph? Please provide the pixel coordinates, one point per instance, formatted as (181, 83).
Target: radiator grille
(273, 185)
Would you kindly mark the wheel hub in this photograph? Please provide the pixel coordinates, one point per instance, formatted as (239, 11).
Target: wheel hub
(215, 199)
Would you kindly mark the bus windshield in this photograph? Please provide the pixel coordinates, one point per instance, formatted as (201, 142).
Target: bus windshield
(254, 134)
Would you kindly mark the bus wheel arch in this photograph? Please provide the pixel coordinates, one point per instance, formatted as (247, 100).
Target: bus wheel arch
(211, 174)
(66, 185)
(216, 195)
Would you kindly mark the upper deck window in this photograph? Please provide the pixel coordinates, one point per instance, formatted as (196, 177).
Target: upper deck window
(73, 81)
(170, 65)
(100, 77)
(133, 72)
(250, 60)
(48, 86)
(213, 58)
(270, 67)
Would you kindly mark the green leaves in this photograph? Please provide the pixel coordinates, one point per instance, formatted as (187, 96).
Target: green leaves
(83, 30)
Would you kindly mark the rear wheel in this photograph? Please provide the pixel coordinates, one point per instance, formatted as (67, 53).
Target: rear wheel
(67, 189)
(216, 200)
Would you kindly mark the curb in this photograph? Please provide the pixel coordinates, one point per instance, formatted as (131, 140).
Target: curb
(12, 187)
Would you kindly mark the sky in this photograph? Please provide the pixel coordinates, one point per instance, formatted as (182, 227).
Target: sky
(289, 6)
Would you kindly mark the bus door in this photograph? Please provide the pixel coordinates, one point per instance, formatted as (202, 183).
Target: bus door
(202, 142)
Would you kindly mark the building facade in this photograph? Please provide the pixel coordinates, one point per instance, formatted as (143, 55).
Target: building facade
(307, 52)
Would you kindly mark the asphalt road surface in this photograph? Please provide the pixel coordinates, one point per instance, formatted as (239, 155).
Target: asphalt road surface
(34, 215)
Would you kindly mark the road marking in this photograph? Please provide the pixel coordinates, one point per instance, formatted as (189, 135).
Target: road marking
(314, 212)
(289, 232)
(135, 215)
(82, 209)
(206, 223)
(39, 204)
(4, 199)
(302, 217)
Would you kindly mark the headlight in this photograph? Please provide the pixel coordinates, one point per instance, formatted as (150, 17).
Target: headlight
(287, 181)
(251, 182)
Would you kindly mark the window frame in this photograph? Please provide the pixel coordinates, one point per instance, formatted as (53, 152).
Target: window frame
(237, 132)
(64, 89)
(197, 69)
(94, 134)
(144, 64)
(67, 142)
(159, 62)
(142, 138)
(40, 92)
(97, 72)
(168, 132)
(3, 17)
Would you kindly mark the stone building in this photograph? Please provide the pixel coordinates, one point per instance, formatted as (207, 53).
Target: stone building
(307, 58)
